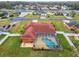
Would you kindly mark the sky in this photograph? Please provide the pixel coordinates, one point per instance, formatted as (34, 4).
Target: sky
(39, 0)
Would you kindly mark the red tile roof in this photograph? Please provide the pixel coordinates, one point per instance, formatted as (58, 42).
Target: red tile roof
(32, 28)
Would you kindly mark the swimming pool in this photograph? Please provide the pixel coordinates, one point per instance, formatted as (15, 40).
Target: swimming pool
(49, 43)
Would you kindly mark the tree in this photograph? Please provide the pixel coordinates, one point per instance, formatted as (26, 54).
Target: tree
(1, 14)
(72, 13)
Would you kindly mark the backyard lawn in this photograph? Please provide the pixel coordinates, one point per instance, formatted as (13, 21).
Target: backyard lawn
(11, 47)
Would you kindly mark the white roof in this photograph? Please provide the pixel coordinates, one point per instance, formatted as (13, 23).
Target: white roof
(34, 20)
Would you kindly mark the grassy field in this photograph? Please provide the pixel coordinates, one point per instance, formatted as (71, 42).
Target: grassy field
(32, 16)
(76, 17)
(48, 16)
(4, 22)
(75, 41)
(2, 36)
(63, 42)
(53, 16)
(11, 47)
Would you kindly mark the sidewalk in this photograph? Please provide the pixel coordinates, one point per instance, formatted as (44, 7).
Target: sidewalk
(3, 40)
(7, 35)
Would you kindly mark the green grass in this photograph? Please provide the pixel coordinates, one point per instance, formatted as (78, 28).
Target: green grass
(2, 36)
(54, 16)
(76, 17)
(75, 42)
(11, 47)
(18, 28)
(4, 22)
(32, 16)
(62, 40)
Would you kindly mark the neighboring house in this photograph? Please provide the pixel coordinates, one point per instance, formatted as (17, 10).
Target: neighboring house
(35, 30)
(59, 12)
(64, 7)
(41, 13)
(71, 25)
(45, 8)
(23, 11)
(53, 8)
(19, 11)
(5, 27)
(77, 26)
(5, 14)
(77, 12)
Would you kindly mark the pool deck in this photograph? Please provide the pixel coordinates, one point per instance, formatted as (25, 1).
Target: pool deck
(39, 44)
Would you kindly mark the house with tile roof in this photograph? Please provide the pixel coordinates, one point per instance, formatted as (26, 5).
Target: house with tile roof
(36, 35)
(32, 29)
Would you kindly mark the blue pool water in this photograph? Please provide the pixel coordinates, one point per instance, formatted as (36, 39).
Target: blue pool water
(49, 43)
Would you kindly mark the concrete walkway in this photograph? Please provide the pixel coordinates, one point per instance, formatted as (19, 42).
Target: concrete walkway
(14, 34)
(68, 34)
(7, 35)
(3, 40)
